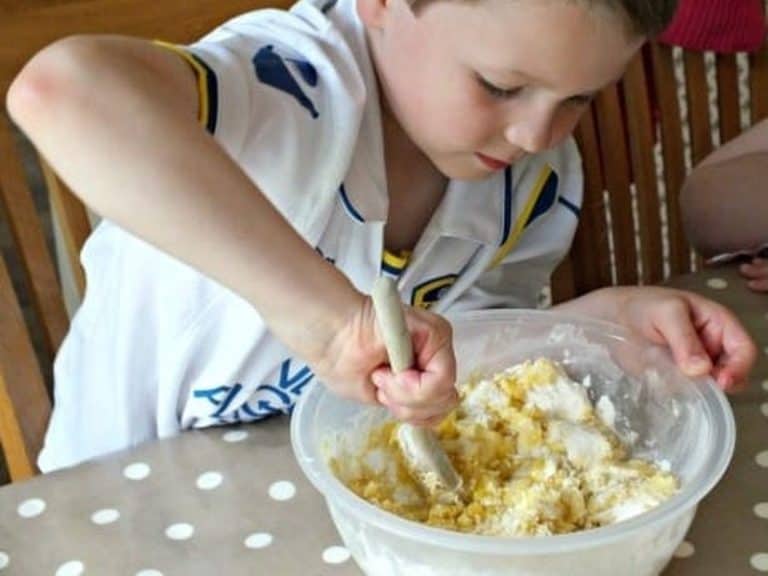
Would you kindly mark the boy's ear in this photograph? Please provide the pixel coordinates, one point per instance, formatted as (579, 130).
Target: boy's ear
(372, 12)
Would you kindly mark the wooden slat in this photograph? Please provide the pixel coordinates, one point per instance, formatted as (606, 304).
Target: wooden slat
(562, 283)
(674, 162)
(26, 27)
(590, 252)
(73, 222)
(758, 85)
(728, 97)
(641, 140)
(24, 403)
(699, 118)
(41, 277)
(613, 150)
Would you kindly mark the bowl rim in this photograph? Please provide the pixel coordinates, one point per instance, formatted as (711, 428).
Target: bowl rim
(338, 495)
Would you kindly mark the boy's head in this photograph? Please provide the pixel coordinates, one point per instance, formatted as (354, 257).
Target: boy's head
(477, 84)
(642, 17)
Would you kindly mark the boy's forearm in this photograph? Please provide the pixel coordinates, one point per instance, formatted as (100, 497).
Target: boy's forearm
(601, 304)
(141, 160)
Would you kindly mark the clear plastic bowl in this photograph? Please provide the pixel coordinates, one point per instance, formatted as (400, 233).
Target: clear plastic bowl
(667, 417)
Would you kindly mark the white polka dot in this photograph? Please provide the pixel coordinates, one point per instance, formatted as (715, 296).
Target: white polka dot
(180, 531)
(764, 409)
(149, 572)
(760, 562)
(282, 490)
(762, 459)
(4, 560)
(761, 510)
(258, 540)
(137, 471)
(335, 555)
(765, 385)
(209, 480)
(685, 550)
(235, 436)
(31, 508)
(71, 568)
(717, 283)
(105, 516)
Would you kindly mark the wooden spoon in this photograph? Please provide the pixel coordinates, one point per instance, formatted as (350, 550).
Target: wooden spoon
(424, 455)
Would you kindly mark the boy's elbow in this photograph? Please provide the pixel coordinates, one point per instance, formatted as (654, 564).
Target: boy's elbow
(49, 79)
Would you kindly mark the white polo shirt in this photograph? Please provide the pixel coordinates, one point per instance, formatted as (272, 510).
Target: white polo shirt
(157, 347)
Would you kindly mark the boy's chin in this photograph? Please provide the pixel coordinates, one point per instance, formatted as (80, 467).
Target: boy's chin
(465, 170)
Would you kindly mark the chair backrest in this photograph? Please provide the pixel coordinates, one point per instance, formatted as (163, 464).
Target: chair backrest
(638, 142)
(635, 137)
(25, 27)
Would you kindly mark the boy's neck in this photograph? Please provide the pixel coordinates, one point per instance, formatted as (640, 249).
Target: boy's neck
(415, 186)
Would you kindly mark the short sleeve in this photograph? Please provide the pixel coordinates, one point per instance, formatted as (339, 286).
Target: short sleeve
(283, 94)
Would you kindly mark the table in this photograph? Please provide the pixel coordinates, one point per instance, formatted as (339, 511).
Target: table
(729, 535)
(234, 501)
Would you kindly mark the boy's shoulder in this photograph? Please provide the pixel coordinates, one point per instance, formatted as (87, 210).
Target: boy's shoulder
(285, 94)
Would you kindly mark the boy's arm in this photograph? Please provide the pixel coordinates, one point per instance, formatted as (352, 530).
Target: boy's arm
(117, 119)
(724, 201)
(703, 336)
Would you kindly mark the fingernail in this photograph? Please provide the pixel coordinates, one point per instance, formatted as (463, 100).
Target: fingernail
(726, 382)
(697, 364)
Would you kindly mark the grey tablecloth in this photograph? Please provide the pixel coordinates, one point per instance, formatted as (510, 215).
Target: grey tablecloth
(233, 501)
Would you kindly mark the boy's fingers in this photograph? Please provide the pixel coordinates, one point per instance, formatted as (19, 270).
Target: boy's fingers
(737, 359)
(728, 342)
(415, 389)
(417, 416)
(683, 340)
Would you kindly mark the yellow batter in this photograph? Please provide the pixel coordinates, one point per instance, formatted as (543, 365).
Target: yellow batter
(535, 455)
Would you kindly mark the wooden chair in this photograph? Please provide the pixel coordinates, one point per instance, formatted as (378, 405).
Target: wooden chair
(616, 242)
(26, 26)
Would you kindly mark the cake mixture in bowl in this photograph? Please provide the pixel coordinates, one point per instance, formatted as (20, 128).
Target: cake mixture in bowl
(535, 456)
(609, 478)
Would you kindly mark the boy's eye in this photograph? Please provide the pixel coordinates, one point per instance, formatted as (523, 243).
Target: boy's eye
(496, 91)
(584, 100)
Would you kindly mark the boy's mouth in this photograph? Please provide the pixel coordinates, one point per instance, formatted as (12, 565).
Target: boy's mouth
(491, 162)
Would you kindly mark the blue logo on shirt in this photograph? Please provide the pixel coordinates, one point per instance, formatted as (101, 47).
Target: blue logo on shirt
(272, 70)
(265, 401)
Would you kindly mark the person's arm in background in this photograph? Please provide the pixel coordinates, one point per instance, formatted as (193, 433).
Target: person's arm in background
(117, 118)
(724, 202)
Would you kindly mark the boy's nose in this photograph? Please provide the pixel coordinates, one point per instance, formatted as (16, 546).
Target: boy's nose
(532, 133)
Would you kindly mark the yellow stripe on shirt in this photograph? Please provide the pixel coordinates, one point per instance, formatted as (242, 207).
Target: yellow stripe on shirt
(204, 79)
(399, 261)
(522, 218)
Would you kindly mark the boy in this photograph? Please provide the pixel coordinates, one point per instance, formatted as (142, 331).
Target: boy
(342, 131)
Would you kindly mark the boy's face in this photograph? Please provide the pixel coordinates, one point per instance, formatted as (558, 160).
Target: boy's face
(477, 85)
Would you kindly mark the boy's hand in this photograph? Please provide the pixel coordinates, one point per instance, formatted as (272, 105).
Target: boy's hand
(756, 273)
(355, 366)
(704, 337)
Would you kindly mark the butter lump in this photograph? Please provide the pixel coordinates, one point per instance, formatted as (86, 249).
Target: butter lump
(535, 456)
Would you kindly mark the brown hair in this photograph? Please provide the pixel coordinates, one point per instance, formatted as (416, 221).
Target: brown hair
(644, 17)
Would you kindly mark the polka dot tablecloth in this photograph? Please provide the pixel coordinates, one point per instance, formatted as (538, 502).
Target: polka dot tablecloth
(219, 501)
(729, 535)
(234, 502)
